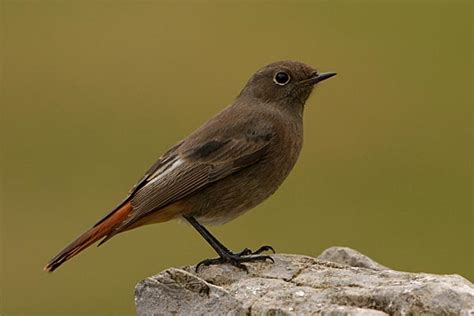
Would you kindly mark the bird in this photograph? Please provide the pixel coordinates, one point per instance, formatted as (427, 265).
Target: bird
(229, 165)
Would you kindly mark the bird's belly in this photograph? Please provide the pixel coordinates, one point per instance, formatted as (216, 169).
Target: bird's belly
(238, 193)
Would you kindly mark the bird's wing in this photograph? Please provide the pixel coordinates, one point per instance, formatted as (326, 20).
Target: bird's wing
(162, 161)
(182, 174)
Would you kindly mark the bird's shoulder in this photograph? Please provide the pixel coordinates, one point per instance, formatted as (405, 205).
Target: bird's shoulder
(234, 123)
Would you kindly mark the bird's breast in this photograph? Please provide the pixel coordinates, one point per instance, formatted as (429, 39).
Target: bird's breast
(239, 192)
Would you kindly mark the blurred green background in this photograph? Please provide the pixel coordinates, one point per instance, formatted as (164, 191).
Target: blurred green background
(94, 91)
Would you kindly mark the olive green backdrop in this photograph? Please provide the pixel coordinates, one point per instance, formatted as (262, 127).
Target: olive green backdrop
(94, 91)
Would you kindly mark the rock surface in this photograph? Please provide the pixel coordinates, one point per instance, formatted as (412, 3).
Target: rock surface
(341, 281)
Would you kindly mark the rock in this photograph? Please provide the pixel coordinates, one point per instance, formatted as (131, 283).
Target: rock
(352, 284)
(350, 257)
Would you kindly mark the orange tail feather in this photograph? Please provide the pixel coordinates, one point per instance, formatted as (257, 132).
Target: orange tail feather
(89, 237)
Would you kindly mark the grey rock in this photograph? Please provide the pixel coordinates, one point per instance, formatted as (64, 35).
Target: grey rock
(350, 257)
(352, 284)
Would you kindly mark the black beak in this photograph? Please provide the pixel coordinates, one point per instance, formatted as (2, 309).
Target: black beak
(323, 76)
(317, 77)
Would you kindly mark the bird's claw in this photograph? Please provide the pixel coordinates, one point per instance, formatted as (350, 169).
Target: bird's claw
(236, 259)
(248, 251)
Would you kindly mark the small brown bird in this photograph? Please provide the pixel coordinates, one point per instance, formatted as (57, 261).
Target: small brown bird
(227, 166)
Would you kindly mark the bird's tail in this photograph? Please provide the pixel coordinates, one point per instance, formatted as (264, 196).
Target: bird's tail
(100, 230)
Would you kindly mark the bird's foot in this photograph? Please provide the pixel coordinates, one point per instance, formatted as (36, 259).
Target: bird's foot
(236, 259)
(248, 251)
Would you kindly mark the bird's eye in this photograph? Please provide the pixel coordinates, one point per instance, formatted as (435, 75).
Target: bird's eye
(281, 78)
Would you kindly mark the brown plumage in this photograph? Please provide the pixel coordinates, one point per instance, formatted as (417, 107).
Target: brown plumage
(226, 167)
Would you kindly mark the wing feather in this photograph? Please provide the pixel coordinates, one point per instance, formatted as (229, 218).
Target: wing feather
(197, 168)
(162, 162)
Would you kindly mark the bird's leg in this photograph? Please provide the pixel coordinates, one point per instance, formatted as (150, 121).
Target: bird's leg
(225, 255)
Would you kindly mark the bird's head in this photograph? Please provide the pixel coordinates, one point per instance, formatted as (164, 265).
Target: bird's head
(286, 83)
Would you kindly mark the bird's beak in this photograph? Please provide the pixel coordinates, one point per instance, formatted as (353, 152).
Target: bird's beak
(317, 77)
(324, 75)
